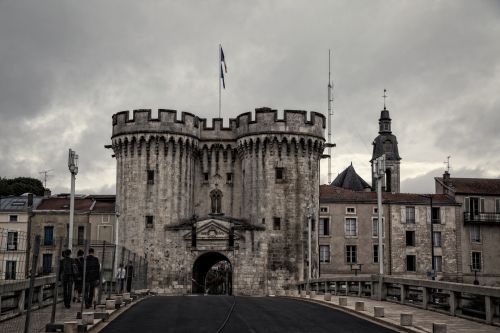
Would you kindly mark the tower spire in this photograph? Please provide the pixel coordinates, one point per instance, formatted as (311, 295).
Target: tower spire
(385, 96)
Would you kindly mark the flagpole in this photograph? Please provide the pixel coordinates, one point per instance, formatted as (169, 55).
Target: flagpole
(220, 75)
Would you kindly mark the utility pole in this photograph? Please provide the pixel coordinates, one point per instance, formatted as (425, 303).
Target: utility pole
(73, 169)
(378, 172)
(310, 214)
(330, 114)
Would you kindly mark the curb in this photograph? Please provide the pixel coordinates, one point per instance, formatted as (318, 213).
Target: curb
(365, 316)
(101, 325)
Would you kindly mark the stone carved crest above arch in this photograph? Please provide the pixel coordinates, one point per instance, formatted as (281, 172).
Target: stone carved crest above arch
(213, 234)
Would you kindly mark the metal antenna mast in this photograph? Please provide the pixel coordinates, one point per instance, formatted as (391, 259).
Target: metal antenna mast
(447, 163)
(330, 114)
(45, 174)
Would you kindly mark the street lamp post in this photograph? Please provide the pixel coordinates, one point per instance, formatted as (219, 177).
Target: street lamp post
(73, 169)
(475, 270)
(378, 173)
(433, 264)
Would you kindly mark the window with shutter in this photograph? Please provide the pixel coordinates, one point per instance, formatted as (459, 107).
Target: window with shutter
(497, 205)
(481, 207)
(467, 204)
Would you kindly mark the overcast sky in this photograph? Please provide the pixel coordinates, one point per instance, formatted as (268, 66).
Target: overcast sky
(67, 66)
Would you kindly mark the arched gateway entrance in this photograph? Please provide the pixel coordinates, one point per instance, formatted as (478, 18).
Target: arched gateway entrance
(212, 274)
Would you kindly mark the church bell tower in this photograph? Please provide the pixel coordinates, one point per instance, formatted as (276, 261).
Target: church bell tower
(386, 143)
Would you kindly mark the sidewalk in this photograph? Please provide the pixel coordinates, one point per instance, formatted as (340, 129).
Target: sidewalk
(422, 319)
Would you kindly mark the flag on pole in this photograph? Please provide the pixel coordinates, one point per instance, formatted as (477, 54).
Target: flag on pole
(222, 77)
(222, 61)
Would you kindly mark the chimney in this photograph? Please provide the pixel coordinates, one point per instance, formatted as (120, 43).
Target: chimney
(446, 178)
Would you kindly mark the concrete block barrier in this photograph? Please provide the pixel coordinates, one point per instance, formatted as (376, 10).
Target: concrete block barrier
(406, 319)
(343, 301)
(110, 304)
(126, 296)
(359, 306)
(328, 297)
(312, 294)
(70, 327)
(87, 318)
(378, 311)
(303, 293)
(438, 328)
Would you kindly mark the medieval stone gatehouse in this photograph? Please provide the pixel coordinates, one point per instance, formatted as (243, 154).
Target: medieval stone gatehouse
(191, 196)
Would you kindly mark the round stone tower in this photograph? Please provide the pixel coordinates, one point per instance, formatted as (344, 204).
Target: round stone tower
(189, 194)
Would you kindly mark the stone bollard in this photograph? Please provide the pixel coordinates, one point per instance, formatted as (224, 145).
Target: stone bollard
(118, 300)
(406, 319)
(126, 296)
(438, 328)
(328, 296)
(312, 294)
(343, 301)
(110, 304)
(302, 293)
(70, 327)
(359, 306)
(87, 318)
(378, 311)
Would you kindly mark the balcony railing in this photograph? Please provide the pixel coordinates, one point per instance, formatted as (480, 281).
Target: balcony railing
(483, 218)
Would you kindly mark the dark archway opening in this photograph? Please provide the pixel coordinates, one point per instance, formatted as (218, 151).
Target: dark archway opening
(212, 274)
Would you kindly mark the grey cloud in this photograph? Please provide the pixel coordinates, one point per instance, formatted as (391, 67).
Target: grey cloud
(80, 62)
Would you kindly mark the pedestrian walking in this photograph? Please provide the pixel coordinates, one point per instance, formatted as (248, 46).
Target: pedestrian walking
(92, 278)
(120, 277)
(79, 277)
(130, 275)
(66, 276)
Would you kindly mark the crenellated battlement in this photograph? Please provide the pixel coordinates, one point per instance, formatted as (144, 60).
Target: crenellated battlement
(293, 121)
(266, 120)
(167, 122)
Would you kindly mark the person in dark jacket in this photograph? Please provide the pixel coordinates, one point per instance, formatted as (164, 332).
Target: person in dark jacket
(79, 277)
(130, 274)
(92, 278)
(66, 276)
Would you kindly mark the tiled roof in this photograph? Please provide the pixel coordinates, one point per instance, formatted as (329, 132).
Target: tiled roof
(350, 180)
(17, 203)
(332, 194)
(102, 206)
(62, 203)
(487, 186)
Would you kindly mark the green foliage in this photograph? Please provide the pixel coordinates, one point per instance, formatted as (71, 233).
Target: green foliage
(20, 185)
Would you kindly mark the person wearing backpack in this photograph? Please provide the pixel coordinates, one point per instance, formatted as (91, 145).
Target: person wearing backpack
(79, 277)
(92, 277)
(66, 276)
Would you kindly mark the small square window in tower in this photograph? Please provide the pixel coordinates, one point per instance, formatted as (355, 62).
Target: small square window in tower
(280, 174)
(151, 177)
(411, 263)
(149, 221)
(410, 238)
(276, 223)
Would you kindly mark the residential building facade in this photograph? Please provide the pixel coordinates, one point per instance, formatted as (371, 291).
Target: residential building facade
(478, 225)
(14, 216)
(348, 234)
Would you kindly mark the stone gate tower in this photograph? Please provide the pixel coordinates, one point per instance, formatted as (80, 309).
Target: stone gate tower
(191, 195)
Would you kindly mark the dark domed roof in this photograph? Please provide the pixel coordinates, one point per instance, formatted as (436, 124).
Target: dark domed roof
(350, 180)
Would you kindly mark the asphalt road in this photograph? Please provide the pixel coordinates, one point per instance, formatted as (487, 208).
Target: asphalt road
(250, 314)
